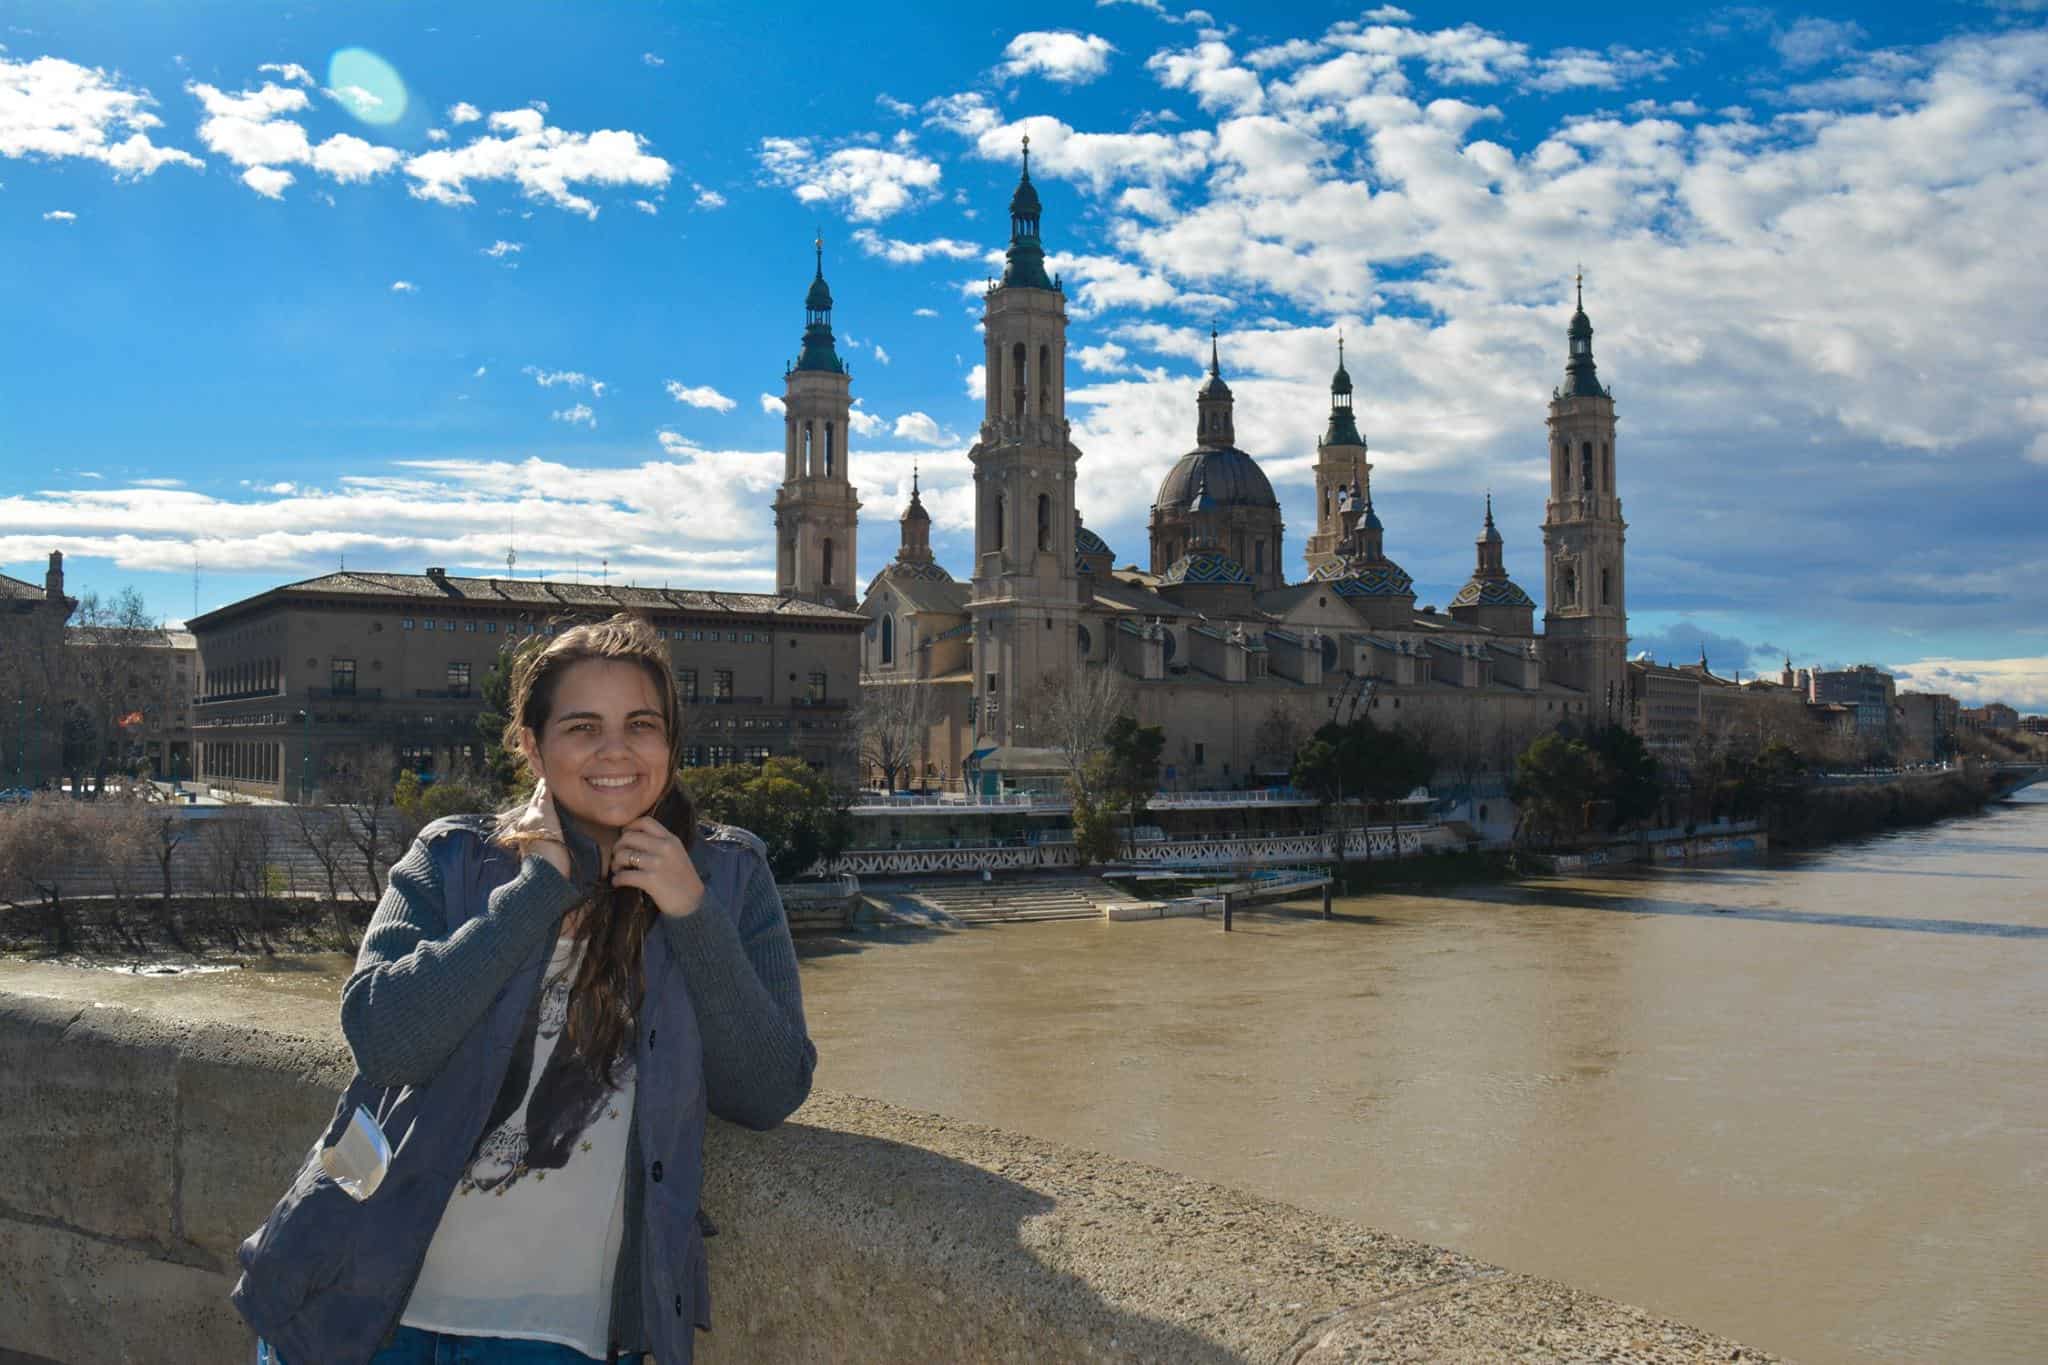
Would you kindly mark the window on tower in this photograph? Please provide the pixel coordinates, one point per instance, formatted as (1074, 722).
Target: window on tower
(826, 573)
(1044, 522)
(888, 641)
(1606, 585)
(1586, 467)
(805, 468)
(1019, 367)
(1045, 379)
(828, 450)
(1001, 508)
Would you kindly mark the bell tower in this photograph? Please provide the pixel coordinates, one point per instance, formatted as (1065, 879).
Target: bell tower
(1026, 594)
(1585, 616)
(1340, 465)
(816, 509)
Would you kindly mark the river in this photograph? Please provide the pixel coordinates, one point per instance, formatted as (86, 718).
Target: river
(1799, 1103)
(1802, 1103)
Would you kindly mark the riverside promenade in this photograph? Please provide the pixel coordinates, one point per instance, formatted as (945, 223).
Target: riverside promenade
(149, 1132)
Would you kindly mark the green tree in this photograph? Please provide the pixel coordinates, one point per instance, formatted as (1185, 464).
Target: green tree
(1554, 778)
(501, 765)
(420, 804)
(785, 802)
(1628, 781)
(1129, 769)
(1395, 762)
(1095, 839)
(1359, 759)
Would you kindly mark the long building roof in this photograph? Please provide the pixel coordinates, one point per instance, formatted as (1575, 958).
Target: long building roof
(430, 589)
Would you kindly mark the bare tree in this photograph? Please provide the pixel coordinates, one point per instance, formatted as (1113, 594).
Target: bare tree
(323, 832)
(1070, 713)
(41, 843)
(117, 835)
(361, 791)
(114, 667)
(894, 725)
(236, 850)
(1278, 737)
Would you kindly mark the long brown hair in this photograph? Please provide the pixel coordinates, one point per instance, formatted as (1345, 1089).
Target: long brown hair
(604, 999)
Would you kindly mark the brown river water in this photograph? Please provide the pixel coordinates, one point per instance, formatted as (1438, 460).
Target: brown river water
(1803, 1103)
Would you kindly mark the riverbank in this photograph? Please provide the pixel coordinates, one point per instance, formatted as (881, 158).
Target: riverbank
(1825, 814)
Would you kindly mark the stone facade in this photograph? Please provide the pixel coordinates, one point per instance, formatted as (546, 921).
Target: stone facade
(32, 618)
(1234, 662)
(306, 679)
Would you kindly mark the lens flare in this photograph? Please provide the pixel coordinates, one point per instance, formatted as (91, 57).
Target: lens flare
(366, 85)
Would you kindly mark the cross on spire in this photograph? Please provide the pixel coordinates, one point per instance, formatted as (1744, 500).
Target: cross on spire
(1027, 156)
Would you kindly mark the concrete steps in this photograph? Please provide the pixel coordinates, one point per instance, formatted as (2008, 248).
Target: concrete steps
(1017, 901)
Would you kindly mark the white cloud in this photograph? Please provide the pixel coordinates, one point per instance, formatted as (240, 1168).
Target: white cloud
(881, 356)
(253, 130)
(709, 198)
(653, 59)
(919, 427)
(479, 373)
(1099, 160)
(1106, 358)
(268, 181)
(924, 312)
(1388, 14)
(60, 216)
(2021, 683)
(895, 106)
(1810, 41)
(898, 252)
(501, 248)
(1572, 68)
(646, 206)
(977, 382)
(773, 406)
(1210, 72)
(675, 443)
(1067, 58)
(287, 71)
(437, 134)
(699, 396)
(464, 113)
(580, 415)
(357, 100)
(51, 108)
(862, 422)
(546, 162)
(867, 183)
(404, 287)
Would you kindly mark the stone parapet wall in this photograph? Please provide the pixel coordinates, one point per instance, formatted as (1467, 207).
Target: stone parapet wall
(143, 1147)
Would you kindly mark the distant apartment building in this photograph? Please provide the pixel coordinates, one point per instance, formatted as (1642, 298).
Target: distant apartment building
(1865, 687)
(1994, 716)
(309, 678)
(32, 621)
(1927, 722)
(140, 689)
(2034, 725)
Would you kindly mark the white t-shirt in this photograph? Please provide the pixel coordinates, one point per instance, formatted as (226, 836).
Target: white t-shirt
(530, 1239)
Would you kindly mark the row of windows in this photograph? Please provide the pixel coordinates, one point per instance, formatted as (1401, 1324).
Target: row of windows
(737, 637)
(722, 755)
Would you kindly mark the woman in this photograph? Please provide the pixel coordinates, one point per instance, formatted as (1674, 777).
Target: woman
(543, 1010)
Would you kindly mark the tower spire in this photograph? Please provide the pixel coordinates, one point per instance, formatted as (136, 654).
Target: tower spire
(1215, 364)
(1024, 262)
(819, 352)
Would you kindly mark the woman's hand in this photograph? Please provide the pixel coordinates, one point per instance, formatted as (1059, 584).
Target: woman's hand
(653, 860)
(539, 828)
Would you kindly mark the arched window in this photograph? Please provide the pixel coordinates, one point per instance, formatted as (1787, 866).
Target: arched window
(1586, 467)
(888, 641)
(1258, 556)
(828, 450)
(1326, 504)
(827, 573)
(1044, 522)
(1001, 508)
(1563, 460)
(804, 468)
(1606, 588)
(1045, 379)
(1019, 367)
(1607, 464)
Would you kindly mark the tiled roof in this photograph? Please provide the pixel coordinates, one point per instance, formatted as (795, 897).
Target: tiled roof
(14, 590)
(1491, 592)
(546, 595)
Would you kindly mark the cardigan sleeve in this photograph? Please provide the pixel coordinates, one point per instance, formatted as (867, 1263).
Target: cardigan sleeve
(417, 988)
(741, 969)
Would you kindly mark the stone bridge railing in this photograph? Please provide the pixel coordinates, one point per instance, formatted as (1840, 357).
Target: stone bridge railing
(1264, 850)
(143, 1146)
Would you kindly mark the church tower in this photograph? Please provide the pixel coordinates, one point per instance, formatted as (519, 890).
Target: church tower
(816, 509)
(1026, 595)
(1340, 465)
(1585, 617)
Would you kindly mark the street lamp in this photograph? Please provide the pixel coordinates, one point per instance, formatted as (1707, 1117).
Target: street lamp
(305, 752)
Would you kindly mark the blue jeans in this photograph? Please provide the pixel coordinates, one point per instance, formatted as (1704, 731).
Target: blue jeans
(411, 1346)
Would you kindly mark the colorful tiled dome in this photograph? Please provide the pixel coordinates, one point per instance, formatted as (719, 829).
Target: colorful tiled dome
(1206, 567)
(1491, 592)
(1384, 579)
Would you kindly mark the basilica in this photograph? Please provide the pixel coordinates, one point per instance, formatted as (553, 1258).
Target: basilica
(1215, 644)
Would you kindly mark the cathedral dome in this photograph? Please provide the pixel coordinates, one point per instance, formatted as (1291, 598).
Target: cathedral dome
(1361, 579)
(1491, 592)
(1231, 477)
(1206, 567)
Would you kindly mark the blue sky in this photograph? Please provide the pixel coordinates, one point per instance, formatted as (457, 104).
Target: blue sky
(388, 286)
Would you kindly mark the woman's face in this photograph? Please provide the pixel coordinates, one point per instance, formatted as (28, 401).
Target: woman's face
(604, 751)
